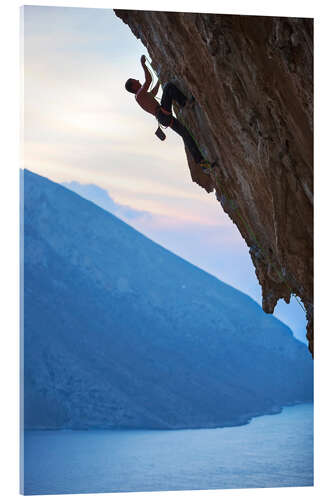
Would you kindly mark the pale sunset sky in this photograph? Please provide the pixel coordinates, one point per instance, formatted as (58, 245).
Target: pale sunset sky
(81, 125)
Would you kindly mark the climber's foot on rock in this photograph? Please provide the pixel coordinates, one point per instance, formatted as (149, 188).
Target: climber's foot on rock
(206, 166)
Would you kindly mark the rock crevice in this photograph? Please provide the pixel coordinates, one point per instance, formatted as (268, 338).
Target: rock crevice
(252, 79)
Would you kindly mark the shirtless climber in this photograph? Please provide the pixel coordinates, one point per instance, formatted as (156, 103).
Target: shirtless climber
(163, 111)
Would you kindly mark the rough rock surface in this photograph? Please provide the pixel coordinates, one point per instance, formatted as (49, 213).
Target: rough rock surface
(252, 81)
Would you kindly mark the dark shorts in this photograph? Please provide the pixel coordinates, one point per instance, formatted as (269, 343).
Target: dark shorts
(164, 117)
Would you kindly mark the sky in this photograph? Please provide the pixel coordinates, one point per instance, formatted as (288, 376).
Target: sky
(83, 129)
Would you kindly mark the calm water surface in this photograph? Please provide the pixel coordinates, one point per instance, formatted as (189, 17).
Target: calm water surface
(271, 451)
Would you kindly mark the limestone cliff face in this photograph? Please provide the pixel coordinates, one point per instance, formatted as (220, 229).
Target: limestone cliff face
(252, 81)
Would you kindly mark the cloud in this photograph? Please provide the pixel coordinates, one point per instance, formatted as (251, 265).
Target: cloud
(207, 236)
(101, 198)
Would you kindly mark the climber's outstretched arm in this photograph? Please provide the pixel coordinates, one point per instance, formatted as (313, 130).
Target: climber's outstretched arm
(148, 78)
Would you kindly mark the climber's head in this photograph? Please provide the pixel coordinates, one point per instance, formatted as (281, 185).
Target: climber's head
(132, 85)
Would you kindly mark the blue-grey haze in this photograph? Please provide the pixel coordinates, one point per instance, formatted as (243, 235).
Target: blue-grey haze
(121, 333)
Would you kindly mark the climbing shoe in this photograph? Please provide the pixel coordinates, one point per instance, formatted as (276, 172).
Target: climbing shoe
(205, 166)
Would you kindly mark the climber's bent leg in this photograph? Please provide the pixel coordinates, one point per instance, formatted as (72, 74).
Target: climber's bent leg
(170, 93)
(188, 140)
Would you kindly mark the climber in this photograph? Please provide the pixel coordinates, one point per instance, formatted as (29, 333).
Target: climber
(163, 111)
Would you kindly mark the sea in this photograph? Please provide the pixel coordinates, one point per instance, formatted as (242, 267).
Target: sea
(271, 451)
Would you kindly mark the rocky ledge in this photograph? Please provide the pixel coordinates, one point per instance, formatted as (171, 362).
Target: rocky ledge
(252, 79)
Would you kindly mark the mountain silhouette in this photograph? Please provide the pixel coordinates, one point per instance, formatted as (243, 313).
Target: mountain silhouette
(121, 333)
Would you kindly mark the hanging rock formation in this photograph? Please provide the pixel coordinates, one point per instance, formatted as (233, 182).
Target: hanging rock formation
(252, 80)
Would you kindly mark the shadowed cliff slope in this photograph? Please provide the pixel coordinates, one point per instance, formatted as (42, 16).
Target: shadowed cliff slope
(120, 332)
(252, 80)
